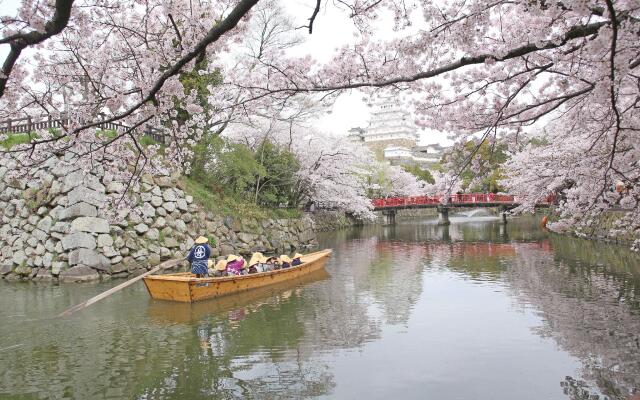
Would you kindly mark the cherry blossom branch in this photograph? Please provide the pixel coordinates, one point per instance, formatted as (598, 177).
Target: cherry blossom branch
(575, 32)
(20, 41)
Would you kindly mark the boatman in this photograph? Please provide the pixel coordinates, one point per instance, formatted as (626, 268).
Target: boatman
(199, 257)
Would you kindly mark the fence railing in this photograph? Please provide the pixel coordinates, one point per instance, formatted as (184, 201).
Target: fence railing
(32, 124)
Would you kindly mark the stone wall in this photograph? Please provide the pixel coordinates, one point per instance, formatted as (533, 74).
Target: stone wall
(325, 221)
(65, 224)
(610, 227)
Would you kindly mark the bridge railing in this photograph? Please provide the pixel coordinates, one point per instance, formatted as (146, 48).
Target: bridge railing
(462, 198)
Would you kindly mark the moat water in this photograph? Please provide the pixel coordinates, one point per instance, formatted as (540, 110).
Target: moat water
(415, 311)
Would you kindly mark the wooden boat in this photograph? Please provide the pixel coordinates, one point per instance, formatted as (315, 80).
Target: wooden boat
(185, 287)
(186, 313)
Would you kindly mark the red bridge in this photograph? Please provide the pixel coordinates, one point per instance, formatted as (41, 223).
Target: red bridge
(390, 205)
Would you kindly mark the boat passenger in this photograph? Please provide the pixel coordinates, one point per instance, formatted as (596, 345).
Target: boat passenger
(199, 257)
(296, 259)
(285, 261)
(220, 268)
(255, 263)
(267, 264)
(235, 265)
(273, 263)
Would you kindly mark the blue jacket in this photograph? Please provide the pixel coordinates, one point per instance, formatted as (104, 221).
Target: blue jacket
(199, 252)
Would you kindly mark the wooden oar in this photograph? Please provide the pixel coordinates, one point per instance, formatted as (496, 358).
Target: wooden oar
(80, 306)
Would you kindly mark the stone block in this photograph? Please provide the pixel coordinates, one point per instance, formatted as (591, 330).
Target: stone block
(226, 249)
(19, 257)
(180, 226)
(61, 227)
(47, 260)
(22, 270)
(83, 194)
(105, 240)
(164, 181)
(43, 274)
(153, 234)
(58, 267)
(80, 209)
(154, 259)
(90, 258)
(90, 224)
(78, 240)
(141, 228)
(110, 252)
(79, 273)
(40, 249)
(115, 187)
(32, 241)
(171, 243)
(62, 169)
(5, 269)
(148, 210)
(118, 268)
(156, 201)
(80, 179)
(169, 195)
(169, 206)
(147, 178)
(181, 204)
(165, 254)
(160, 222)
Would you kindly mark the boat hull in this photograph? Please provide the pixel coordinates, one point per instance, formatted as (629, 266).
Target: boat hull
(185, 287)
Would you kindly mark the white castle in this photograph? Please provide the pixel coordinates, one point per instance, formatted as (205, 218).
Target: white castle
(394, 136)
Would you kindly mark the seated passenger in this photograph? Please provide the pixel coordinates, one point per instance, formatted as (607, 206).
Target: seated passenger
(296, 259)
(285, 261)
(235, 265)
(269, 264)
(220, 268)
(255, 263)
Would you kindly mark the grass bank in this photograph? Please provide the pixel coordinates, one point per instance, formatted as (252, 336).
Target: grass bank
(222, 204)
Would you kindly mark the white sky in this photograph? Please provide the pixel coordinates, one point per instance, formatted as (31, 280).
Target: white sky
(331, 30)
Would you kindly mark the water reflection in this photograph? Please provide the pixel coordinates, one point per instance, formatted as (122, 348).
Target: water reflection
(473, 310)
(587, 294)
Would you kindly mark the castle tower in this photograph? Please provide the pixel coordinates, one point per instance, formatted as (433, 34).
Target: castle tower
(390, 125)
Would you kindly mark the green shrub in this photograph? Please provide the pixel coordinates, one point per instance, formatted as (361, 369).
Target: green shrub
(14, 139)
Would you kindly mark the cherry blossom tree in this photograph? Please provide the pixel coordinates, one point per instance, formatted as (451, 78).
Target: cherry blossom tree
(476, 68)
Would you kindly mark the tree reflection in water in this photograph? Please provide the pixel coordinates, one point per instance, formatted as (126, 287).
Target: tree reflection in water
(587, 293)
(588, 297)
(282, 342)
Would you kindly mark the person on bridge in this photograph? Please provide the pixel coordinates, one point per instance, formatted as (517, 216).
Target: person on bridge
(199, 257)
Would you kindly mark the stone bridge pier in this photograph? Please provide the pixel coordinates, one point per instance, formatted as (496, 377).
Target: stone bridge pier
(503, 213)
(389, 217)
(443, 212)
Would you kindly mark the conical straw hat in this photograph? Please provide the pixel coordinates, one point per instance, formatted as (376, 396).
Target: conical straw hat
(221, 265)
(256, 258)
